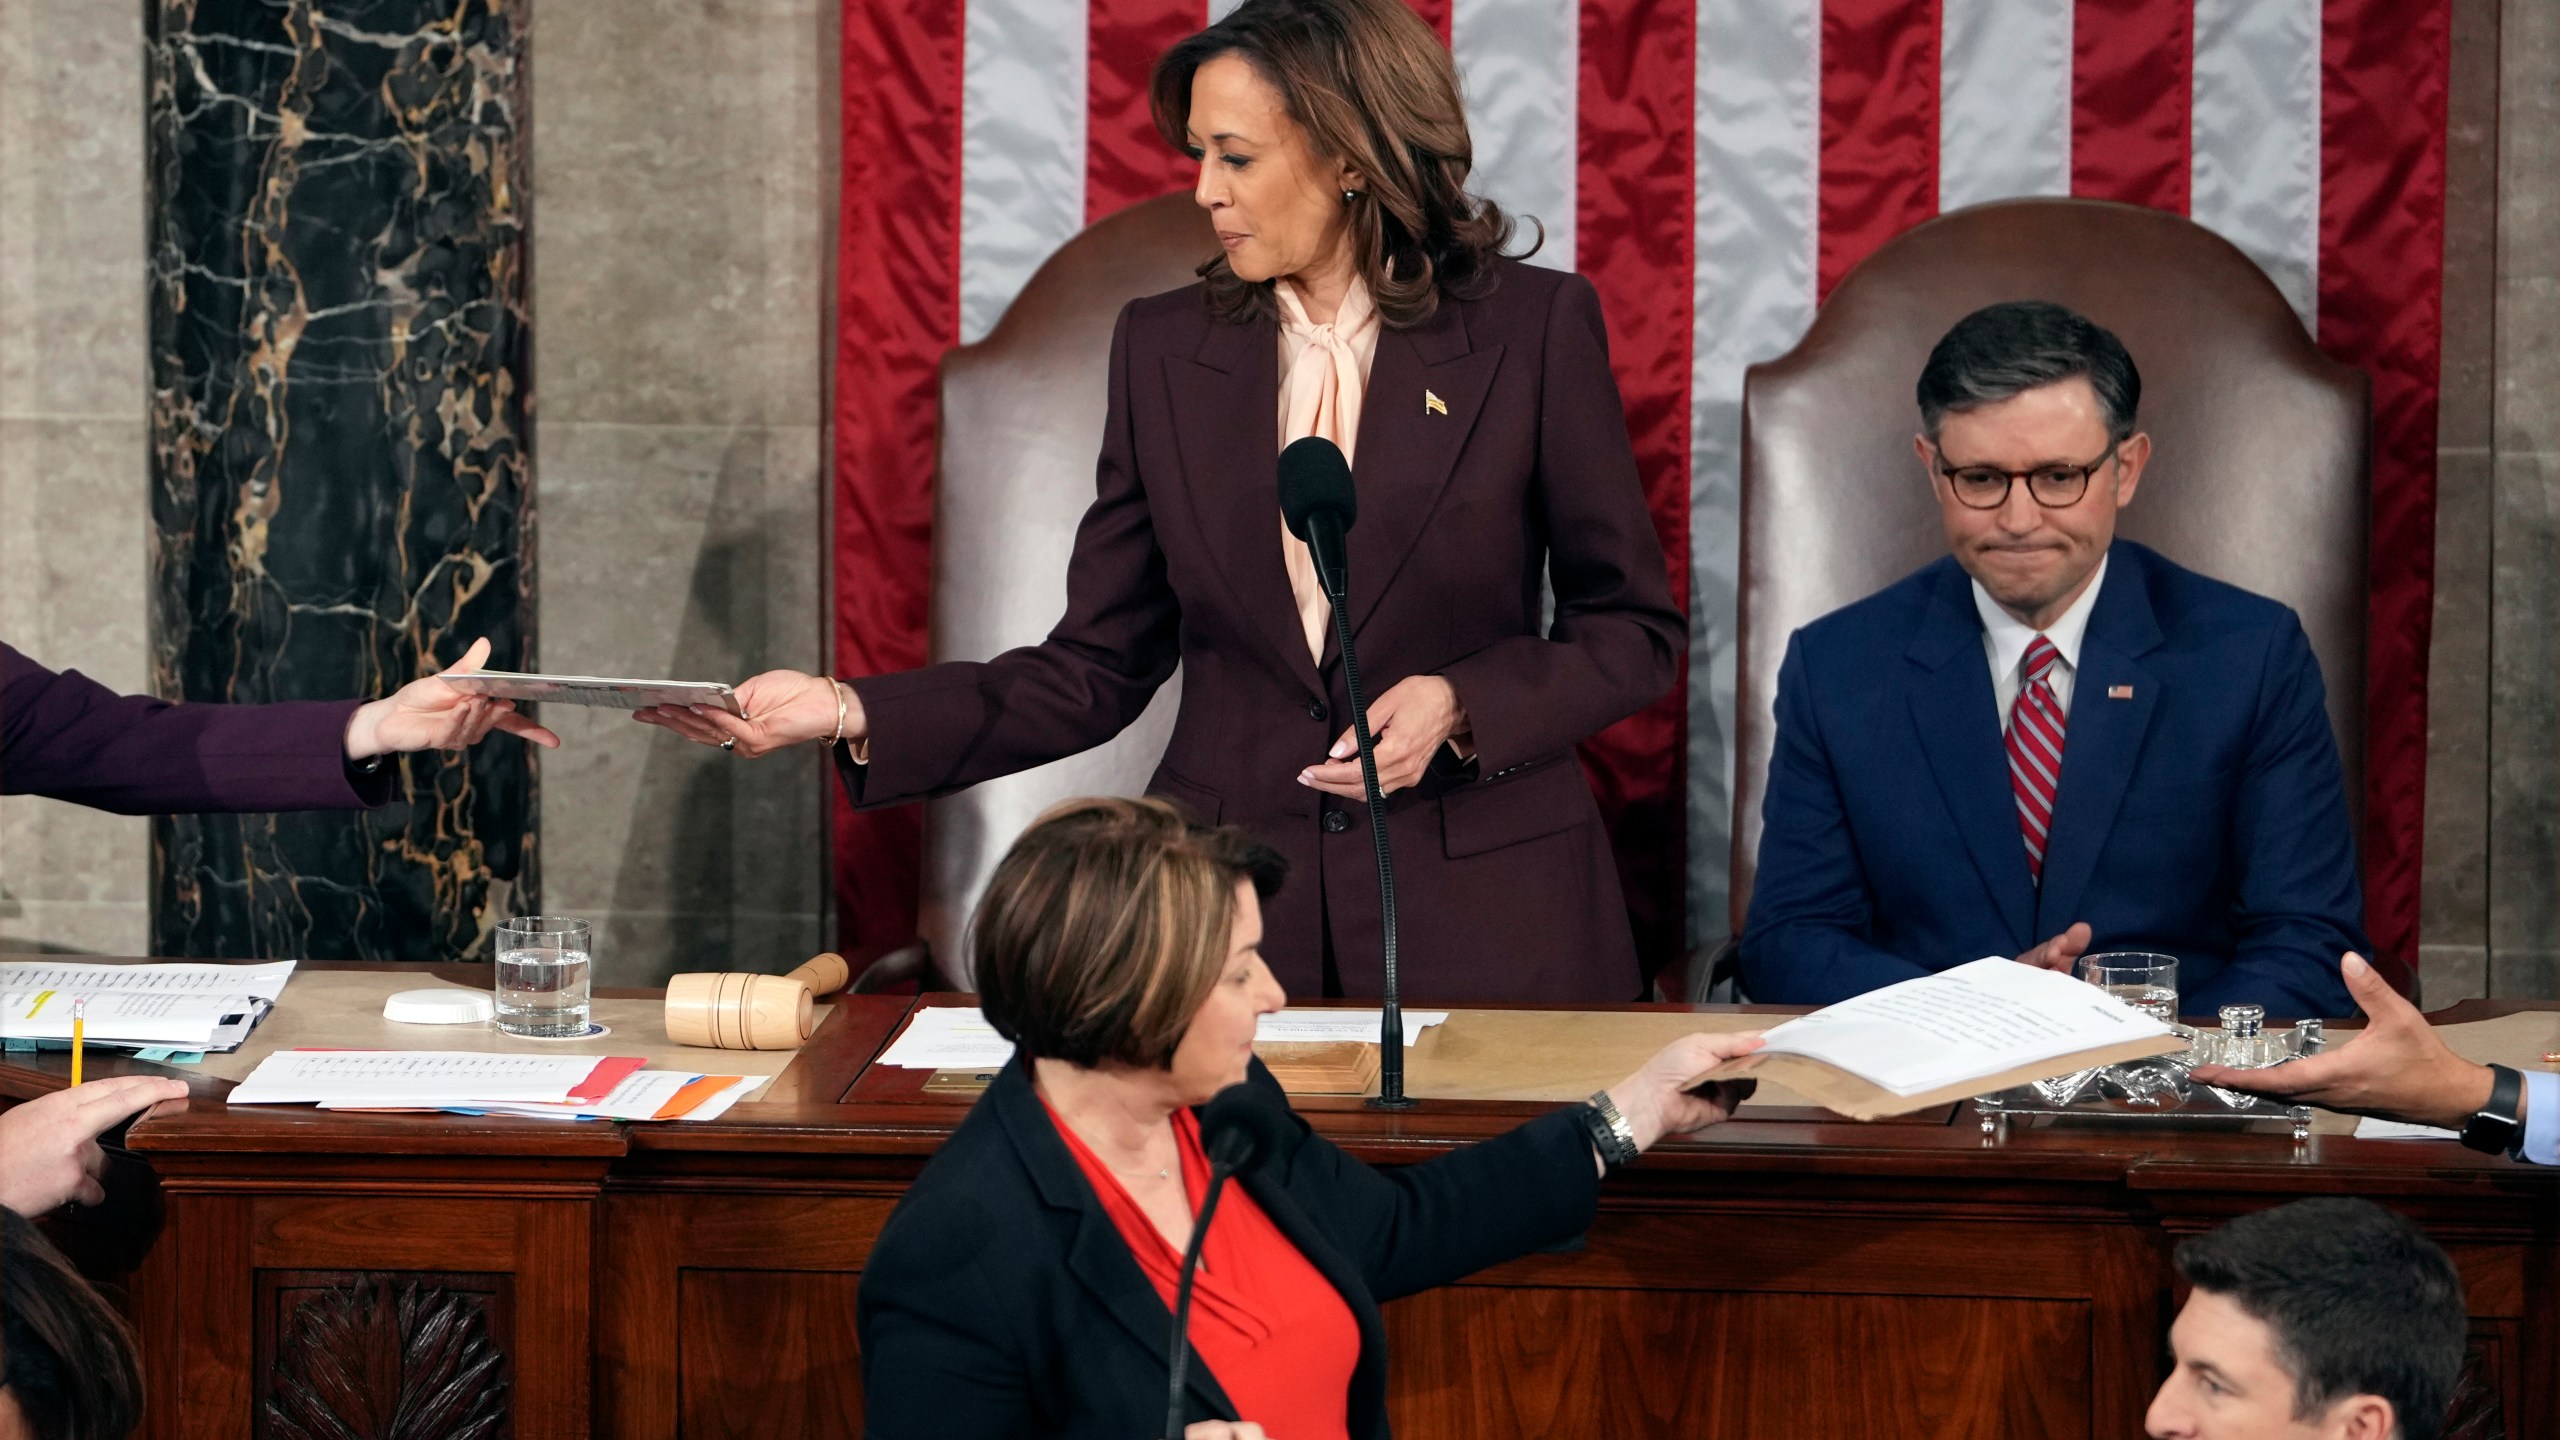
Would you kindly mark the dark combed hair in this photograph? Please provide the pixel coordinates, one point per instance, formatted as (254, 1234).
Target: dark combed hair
(1375, 89)
(69, 1358)
(1106, 925)
(2003, 350)
(2359, 1301)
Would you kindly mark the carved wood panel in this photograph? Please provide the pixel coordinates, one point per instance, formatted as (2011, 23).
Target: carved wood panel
(2487, 1389)
(384, 1355)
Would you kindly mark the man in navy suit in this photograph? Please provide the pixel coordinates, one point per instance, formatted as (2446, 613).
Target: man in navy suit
(2051, 741)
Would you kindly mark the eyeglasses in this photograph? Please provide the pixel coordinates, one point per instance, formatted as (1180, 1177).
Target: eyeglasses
(2055, 487)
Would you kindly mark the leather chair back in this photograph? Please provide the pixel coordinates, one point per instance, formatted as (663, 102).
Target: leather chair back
(2259, 472)
(1021, 422)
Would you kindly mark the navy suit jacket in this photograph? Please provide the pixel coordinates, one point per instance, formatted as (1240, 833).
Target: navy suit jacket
(2202, 815)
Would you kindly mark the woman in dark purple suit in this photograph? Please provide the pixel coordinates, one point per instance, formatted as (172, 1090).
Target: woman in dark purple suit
(67, 736)
(1362, 296)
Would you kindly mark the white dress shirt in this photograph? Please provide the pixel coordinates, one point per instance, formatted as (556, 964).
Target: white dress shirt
(2541, 1141)
(2005, 639)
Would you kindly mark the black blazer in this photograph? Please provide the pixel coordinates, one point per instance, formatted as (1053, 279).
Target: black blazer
(1001, 1300)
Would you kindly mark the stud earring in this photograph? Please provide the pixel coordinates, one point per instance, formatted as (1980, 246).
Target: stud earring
(1350, 195)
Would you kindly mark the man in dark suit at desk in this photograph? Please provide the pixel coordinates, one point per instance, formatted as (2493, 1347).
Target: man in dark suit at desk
(2051, 739)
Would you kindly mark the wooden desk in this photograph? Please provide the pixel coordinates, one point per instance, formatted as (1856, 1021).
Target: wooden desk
(1780, 1276)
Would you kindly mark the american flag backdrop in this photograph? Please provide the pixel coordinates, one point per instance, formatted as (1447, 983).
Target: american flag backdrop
(1715, 167)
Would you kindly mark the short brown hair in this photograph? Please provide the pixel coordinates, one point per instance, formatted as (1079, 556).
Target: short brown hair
(65, 1356)
(1374, 88)
(1106, 925)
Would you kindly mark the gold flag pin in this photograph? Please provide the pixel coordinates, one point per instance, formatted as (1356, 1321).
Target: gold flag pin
(2119, 692)
(1433, 404)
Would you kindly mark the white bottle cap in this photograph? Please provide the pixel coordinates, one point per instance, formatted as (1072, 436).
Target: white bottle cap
(451, 1005)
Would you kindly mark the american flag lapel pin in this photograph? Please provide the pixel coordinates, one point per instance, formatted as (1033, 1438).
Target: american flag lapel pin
(1433, 404)
(2119, 692)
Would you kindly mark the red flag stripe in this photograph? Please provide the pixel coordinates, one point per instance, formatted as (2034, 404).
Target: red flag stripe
(2383, 78)
(1879, 168)
(898, 309)
(2132, 86)
(1636, 241)
(1125, 161)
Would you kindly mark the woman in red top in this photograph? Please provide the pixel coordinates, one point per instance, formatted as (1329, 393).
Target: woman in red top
(1025, 1284)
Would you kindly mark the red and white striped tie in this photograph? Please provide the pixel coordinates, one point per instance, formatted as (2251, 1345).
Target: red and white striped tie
(2035, 751)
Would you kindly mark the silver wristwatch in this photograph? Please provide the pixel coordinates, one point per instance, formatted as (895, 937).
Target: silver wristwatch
(1611, 1135)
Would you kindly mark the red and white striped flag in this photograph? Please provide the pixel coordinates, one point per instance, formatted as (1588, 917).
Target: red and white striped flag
(1715, 167)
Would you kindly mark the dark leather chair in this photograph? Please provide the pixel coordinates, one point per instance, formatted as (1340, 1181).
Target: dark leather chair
(2259, 475)
(1022, 414)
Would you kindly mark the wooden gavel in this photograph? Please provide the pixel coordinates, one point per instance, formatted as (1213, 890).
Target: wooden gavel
(737, 1011)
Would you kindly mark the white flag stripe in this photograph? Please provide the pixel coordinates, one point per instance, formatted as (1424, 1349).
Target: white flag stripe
(1022, 148)
(1757, 167)
(2004, 100)
(2256, 176)
(1519, 64)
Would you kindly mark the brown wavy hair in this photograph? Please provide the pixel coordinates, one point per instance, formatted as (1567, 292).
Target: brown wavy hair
(1105, 926)
(1375, 89)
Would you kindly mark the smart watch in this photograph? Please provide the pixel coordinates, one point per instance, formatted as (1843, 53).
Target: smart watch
(2497, 1126)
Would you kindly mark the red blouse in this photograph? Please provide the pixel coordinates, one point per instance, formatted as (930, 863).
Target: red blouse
(1277, 1335)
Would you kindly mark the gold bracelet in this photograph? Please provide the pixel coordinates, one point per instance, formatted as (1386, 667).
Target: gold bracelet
(838, 737)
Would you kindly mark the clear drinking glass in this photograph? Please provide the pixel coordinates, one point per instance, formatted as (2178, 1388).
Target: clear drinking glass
(2148, 983)
(543, 976)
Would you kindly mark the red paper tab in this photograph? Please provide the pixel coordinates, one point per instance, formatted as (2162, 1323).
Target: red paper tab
(610, 1071)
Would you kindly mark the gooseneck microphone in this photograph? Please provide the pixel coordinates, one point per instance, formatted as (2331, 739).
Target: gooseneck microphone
(1318, 501)
(1240, 1128)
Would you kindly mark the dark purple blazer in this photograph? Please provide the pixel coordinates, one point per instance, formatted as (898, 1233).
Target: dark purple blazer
(1505, 885)
(69, 737)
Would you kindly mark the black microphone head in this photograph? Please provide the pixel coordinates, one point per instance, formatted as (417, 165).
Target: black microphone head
(1244, 1125)
(1314, 478)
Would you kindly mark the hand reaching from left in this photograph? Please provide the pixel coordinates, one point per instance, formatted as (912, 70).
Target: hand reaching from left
(431, 715)
(1408, 723)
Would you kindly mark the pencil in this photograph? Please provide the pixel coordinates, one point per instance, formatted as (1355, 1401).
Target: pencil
(79, 1035)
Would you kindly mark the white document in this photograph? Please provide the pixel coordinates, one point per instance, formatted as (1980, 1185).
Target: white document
(410, 1079)
(1973, 1021)
(957, 1037)
(640, 1096)
(265, 981)
(949, 1037)
(199, 1007)
(2370, 1128)
(1319, 1026)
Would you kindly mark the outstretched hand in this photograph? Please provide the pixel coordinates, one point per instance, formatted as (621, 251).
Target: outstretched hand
(784, 708)
(428, 714)
(1658, 1099)
(2395, 1067)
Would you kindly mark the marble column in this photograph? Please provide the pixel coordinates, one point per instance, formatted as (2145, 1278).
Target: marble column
(341, 497)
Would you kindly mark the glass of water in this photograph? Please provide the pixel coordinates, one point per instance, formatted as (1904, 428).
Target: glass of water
(543, 970)
(2148, 983)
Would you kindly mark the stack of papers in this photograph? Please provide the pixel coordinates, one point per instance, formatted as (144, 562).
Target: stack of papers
(568, 1087)
(958, 1037)
(190, 1007)
(1962, 1025)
